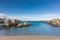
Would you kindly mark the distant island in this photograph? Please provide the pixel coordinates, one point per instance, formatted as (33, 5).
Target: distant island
(55, 22)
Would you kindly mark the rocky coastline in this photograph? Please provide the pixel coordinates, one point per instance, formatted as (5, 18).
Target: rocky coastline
(55, 22)
(8, 23)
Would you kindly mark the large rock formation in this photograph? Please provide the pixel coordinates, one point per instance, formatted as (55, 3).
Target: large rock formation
(9, 22)
(13, 23)
(55, 22)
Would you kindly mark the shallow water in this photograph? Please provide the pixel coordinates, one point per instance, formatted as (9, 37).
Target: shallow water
(38, 28)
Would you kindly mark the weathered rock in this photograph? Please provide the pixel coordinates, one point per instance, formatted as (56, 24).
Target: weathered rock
(19, 25)
(55, 22)
(49, 21)
(13, 23)
(26, 23)
(7, 23)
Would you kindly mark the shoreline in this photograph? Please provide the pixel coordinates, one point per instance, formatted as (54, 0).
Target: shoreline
(30, 37)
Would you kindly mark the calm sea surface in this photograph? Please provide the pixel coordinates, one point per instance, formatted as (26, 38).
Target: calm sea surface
(38, 28)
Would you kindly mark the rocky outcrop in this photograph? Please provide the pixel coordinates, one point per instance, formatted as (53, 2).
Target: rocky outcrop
(19, 25)
(13, 23)
(55, 22)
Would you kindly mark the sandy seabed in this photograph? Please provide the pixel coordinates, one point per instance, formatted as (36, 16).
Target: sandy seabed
(29, 37)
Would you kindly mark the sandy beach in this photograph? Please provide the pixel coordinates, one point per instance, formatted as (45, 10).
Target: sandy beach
(29, 37)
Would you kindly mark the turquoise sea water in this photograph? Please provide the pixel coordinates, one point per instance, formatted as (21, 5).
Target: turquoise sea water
(38, 28)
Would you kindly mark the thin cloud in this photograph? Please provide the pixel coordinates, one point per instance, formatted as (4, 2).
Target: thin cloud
(9, 17)
(32, 18)
(1, 14)
(49, 16)
(41, 17)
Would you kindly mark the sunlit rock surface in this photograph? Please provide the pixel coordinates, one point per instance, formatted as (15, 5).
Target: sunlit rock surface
(55, 22)
(13, 23)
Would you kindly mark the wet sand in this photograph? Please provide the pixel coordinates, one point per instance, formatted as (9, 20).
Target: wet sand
(29, 37)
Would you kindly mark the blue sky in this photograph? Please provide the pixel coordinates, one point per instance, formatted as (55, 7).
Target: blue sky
(31, 9)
